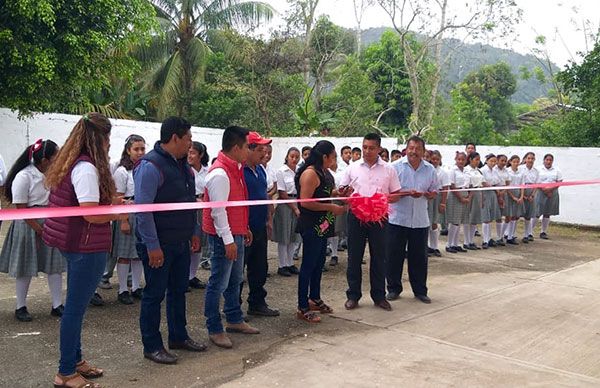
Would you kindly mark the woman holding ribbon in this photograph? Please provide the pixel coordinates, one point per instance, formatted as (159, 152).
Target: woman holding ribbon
(531, 176)
(24, 254)
(80, 176)
(547, 200)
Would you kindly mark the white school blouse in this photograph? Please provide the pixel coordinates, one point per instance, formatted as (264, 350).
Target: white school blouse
(549, 175)
(443, 178)
(475, 176)
(86, 182)
(516, 177)
(460, 179)
(124, 181)
(285, 180)
(491, 176)
(28, 187)
(503, 175)
(530, 175)
(200, 179)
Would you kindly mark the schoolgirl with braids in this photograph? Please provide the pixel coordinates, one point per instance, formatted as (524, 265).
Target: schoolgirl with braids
(80, 176)
(24, 255)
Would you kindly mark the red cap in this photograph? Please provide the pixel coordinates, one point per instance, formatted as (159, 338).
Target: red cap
(256, 138)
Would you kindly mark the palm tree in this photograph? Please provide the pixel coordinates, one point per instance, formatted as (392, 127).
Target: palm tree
(175, 60)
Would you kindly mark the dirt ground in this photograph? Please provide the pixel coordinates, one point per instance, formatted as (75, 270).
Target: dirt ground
(111, 336)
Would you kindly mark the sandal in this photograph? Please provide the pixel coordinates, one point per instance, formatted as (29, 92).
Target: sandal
(308, 316)
(63, 382)
(319, 305)
(88, 371)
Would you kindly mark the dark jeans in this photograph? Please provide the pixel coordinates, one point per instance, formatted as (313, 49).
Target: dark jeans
(84, 271)
(314, 249)
(170, 278)
(255, 259)
(398, 239)
(358, 234)
(225, 279)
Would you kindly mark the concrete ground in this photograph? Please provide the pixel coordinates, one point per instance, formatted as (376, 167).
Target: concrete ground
(514, 316)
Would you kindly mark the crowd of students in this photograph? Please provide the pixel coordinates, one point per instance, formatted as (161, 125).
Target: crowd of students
(168, 248)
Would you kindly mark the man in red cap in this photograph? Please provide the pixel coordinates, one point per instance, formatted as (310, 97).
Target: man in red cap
(260, 219)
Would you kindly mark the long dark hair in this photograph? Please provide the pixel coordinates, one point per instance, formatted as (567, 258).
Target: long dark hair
(125, 158)
(34, 153)
(315, 159)
(201, 149)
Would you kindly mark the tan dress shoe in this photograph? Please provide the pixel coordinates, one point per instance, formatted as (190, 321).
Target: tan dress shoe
(243, 328)
(221, 340)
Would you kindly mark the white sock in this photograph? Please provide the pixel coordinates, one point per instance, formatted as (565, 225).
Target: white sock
(455, 235)
(527, 226)
(282, 254)
(22, 287)
(122, 272)
(545, 224)
(467, 233)
(505, 228)
(137, 269)
(533, 225)
(195, 259)
(334, 242)
(55, 287)
(512, 233)
(487, 233)
(434, 236)
(451, 235)
(473, 231)
(499, 230)
(291, 250)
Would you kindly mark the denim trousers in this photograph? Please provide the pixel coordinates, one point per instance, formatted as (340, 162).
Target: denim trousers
(171, 279)
(225, 279)
(314, 250)
(84, 271)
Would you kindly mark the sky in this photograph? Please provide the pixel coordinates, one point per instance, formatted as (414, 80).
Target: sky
(559, 21)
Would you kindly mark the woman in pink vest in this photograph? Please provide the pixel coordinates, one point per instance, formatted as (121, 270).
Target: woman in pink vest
(80, 176)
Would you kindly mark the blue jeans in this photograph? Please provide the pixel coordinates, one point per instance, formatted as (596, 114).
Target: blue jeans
(84, 271)
(225, 279)
(170, 278)
(313, 258)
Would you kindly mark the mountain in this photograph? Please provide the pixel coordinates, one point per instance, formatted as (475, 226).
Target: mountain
(470, 57)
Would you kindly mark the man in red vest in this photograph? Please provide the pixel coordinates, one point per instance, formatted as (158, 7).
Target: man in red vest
(228, 234)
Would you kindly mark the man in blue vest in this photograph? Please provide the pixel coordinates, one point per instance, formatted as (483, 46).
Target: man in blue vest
(165, 239)
(260, 220)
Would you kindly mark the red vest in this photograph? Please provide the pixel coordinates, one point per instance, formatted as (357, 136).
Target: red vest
(74, 234)
(237, 216)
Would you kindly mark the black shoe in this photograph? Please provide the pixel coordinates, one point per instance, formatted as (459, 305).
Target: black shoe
(197, 284)
(205, 265)
(525, 240)
(23, 315)
(105, 284)
(500, 243)
(284, 272)
(188, 344)
(451, 250)
(293, 270)
(392, 295)
(485, 245)
(477, 234)
(97, 300)
(530, 237)
(544, 236)
(430, 251)
(437, 253)
(512, 241)
(58, 311)
(137, 294)
(334, 261)
(469, 247)
(125, 298)
(474, 247)
(296, 257)
(444, 232)
(423, 298)
(341, 249)
(491, 243)
(161, 356)
(460, 249)
(263, 311)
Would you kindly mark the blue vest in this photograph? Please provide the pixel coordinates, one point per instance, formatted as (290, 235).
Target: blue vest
(257, 189)
(178, 185)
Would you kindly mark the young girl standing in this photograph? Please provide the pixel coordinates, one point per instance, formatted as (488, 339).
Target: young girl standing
(475, 206)
(502, 172)
(457, 212)
(547, 200)
(437, 206)
(531, 176)
(124, 236)
(492, 201)
(24, 254)
(286, 216)
(516, 197)
(198, 159)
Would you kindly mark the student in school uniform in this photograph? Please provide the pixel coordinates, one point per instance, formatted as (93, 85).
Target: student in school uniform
(457, 208)
(356, 154)
(437, 206)
(198, 160)
(547, 200)
(2, 176)
(475, 206)
(271, 172)
(23, 254)
(340, 220)
(124, 240)
(515, 199)
(531, 176)
(286, 215)
(492, 202)
(501, 170)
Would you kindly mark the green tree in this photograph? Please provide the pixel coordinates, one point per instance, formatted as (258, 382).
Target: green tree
(178, 57)
(54, 53)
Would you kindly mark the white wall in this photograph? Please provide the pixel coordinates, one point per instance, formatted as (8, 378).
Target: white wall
(579, 204)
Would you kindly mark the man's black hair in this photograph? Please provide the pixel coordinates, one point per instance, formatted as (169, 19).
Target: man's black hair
(233, 136)
(373, 137)
(173, 126)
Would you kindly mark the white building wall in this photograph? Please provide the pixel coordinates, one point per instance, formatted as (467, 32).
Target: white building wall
(579, 204)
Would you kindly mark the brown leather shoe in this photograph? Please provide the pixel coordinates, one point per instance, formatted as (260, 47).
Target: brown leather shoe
(351, 304)
(188, 344)
(221, 340)
(384, 304)
(242, 328)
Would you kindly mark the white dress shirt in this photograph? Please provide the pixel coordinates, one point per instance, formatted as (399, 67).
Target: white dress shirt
(491, 177)
(368, 180)
(550, 175)
(503, 175)
(28, 187)
(531, 175)
(200, 179)
(217, 184)
(124, 181)
(459, 178)
(285, 180)
(84, 177)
